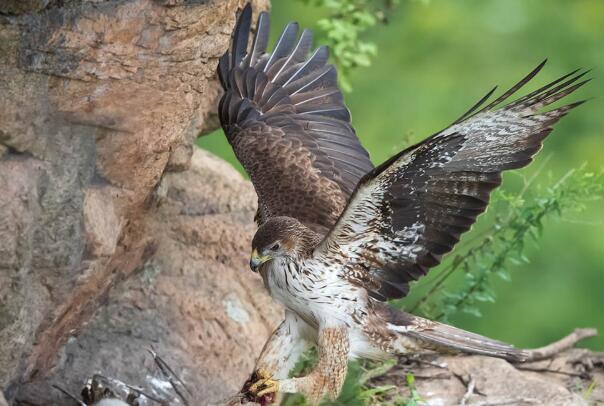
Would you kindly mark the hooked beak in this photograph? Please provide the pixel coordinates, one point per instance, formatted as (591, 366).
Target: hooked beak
(257, 260)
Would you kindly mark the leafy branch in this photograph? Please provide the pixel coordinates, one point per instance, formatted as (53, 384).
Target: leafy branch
(347, 20)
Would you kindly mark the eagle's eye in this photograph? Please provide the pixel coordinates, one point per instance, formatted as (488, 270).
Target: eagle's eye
(275, 247)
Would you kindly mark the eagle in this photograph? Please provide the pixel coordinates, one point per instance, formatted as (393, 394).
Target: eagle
(337, 237)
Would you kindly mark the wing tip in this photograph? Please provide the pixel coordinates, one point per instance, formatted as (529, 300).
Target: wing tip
(241, 35)
(539, 98)
(476, 106)
(541, 65)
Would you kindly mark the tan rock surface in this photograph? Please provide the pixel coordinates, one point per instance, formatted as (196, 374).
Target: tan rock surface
(98, 100)
(194, 300)
(562, 380)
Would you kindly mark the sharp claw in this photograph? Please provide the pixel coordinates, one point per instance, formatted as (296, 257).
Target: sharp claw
(262, 376)
(254, 388)
(271, 386)
(263, 388)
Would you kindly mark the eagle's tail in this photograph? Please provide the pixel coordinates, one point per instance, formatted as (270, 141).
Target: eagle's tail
(432, 335)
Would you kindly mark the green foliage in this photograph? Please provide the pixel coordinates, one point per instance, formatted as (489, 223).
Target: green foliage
(415, 398)
(305, 363)
(519, 218)
(347, 20)
(588, 392)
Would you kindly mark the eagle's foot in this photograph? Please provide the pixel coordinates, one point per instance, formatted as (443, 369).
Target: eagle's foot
(268, 387)
(261, 388)
(264, 383)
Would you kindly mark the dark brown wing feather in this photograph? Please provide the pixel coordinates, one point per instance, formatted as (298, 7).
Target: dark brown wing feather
(286, 120)
(411, 210)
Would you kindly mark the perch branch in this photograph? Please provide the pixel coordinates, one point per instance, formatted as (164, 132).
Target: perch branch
(561, 345)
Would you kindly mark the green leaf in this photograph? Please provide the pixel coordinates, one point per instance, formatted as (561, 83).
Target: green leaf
(410, 379)
(472, 311)
(484, 297)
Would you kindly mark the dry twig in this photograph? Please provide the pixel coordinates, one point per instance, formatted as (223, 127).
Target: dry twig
(169, 374)
(505, 401)
(561, 345)
(469, 391)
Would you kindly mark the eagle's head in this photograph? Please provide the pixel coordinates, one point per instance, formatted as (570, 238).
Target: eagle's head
(281, 236)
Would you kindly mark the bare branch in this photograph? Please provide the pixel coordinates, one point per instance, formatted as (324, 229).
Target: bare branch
(505, 401)
(469, 391)
(565, 343)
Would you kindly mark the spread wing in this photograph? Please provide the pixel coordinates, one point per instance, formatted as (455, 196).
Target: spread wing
(410, 211)
(285, 118)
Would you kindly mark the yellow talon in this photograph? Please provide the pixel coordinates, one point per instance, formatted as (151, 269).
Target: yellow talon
(264, 384)
(254, 388)
(271, 386)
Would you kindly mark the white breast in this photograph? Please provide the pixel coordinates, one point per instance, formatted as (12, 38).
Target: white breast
(320, 297)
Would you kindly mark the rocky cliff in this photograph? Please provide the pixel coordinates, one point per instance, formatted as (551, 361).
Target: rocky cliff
(99, 105)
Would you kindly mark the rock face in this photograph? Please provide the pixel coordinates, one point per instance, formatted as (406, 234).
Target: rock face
(194, 299)
(98, 101)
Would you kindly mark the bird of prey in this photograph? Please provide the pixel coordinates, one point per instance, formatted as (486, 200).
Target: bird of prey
(339, 237)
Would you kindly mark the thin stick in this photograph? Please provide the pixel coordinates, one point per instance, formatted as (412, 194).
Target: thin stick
(170, 375)
(561, 345)
(139, 391)
(469, 392)
(504, 401)
(72, 397)
(442, 365)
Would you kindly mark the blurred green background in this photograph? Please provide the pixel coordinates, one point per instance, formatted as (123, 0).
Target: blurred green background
(436, 59)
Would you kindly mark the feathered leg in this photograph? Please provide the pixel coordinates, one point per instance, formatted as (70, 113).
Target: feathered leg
(279, 355)
(328, 376)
